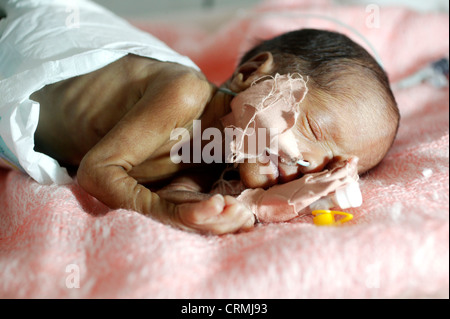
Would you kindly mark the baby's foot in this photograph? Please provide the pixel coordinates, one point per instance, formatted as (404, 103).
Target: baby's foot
(216, 215)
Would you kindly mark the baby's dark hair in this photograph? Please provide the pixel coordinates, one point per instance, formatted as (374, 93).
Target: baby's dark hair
(343, 74)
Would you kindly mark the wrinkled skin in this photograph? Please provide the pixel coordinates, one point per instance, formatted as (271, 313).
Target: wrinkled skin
(114, 125)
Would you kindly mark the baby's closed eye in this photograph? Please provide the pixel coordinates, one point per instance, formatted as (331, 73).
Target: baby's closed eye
(305, 128)
(314, 128)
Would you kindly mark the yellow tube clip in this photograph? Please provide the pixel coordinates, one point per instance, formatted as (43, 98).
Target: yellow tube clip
(326, 217)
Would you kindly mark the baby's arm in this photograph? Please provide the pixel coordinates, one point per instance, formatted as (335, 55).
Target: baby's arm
(103, 172)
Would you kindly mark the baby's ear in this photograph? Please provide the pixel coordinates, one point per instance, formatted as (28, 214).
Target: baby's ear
(259, 65)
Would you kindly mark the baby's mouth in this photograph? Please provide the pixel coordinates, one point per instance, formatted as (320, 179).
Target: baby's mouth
(288, 172)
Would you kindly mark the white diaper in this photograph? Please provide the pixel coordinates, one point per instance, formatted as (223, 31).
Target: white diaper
(46, 41)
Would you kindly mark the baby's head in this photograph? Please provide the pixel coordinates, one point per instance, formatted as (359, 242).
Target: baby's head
(349, 109)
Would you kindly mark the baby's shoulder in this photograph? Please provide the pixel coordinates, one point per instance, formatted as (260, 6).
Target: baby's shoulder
(177, 81)
(180, 75)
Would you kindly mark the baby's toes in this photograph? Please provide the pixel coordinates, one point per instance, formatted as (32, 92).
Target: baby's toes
(240, 215)
(196, 214)
(234, 217)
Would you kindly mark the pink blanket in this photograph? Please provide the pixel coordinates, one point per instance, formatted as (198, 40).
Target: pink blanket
(59, 242)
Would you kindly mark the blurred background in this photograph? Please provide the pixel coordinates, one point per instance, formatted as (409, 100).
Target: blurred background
(143, 9)
(209, 15)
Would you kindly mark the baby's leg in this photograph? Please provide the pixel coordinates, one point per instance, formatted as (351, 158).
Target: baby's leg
(105, 170)
(188, 210)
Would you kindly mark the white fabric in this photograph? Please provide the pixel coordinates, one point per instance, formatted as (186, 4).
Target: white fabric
(46, 41)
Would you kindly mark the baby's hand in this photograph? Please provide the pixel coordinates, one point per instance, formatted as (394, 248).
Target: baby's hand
(217, 215)
(283, 202)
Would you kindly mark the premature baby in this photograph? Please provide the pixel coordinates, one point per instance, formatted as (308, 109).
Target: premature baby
(114, 125)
